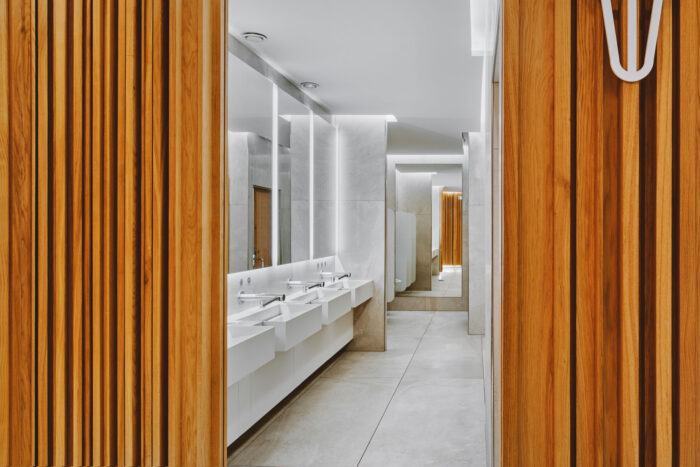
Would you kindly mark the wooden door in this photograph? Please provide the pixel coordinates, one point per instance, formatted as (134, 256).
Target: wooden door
(262, 234)
(451, 230)
(601, 240)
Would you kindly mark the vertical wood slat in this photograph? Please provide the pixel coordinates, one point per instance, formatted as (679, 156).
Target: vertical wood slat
(536, 170)
(687, 224)
(628, 237)
(561, 319)
(511, 444)
(589, 238)
(16, 234)
(43, 328)
(76, 198)
(87, 350)
(59, 184)
(663, 410)
(159, 388)
(195, 376)
(96, 214)
(109, 391)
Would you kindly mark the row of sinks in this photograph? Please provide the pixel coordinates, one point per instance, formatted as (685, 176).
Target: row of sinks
(255, 335)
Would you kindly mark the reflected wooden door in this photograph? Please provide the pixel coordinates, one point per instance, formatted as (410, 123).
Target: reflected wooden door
(262, 209)
(451, 230)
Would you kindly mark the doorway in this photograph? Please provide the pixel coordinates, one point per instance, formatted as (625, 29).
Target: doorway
(262, 220)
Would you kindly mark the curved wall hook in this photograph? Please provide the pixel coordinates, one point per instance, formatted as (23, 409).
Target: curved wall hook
(632, 73)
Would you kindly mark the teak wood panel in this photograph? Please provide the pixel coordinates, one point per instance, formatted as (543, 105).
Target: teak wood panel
(16, 234)
(111, 186)
(601, 285)
(451, 229)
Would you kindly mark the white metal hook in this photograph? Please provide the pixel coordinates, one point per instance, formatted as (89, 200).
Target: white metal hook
(632, 73)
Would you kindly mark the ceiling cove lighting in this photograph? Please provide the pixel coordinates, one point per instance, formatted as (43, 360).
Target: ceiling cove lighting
(254, 37)
(309, 85)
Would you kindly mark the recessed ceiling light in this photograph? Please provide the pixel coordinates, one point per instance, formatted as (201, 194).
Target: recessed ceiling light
(254, 37)
(309, 85)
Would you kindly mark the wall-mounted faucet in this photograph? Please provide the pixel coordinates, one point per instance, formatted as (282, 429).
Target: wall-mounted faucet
(256, 257)
(335, 276)
(264, 298)
(305, 284)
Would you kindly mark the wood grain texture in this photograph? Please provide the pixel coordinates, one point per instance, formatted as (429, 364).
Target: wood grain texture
(196, 369)
(629, 290)
(628, 238)
(537, 184)
(663, 199)
(103, 250)
(687, 225)
(451, 230)
(16, 234)
(590, 146)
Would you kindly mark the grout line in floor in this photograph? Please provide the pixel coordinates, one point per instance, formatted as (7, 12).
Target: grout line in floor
(395, 390)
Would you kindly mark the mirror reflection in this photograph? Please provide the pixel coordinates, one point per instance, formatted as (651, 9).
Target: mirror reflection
(429, 240)
(293, 168)
(324, 183)
(249, 140)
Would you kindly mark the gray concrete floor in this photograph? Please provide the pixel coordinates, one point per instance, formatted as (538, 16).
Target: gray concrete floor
(420, 403)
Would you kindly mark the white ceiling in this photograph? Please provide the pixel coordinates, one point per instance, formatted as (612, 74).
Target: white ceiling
(445, 175)
(408, 58)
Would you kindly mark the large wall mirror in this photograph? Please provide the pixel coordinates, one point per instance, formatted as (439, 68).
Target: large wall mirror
(430, 209)
(249, 140)
(293, 167)
(270, 219)
(325, 179)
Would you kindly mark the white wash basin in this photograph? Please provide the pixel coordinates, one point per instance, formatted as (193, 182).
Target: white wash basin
(334, 302)
(360, 290)
(293, 322)
(248, 348)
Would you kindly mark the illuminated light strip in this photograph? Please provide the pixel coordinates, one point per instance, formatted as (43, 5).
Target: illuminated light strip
(337, 190)
(311, 184)
(275, 178)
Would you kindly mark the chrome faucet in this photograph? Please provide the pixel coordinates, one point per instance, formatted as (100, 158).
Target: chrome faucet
(335, 276)
(305, 284)
(264, 298)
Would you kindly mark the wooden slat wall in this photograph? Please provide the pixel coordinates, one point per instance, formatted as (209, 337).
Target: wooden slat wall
(16, 234)
(601, 287)
(111, 186)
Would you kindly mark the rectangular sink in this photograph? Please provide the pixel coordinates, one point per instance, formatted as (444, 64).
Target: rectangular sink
(334, 302)
(360, 290)
(293, 322)
(248, 348)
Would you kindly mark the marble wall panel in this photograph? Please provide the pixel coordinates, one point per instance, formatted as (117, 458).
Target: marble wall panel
(362, 234)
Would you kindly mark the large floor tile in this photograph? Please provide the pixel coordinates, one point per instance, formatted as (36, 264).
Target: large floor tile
(329, 425)
(447, 357)
(431, 423)
(407, 323)
(389, 364)
(449, 324)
